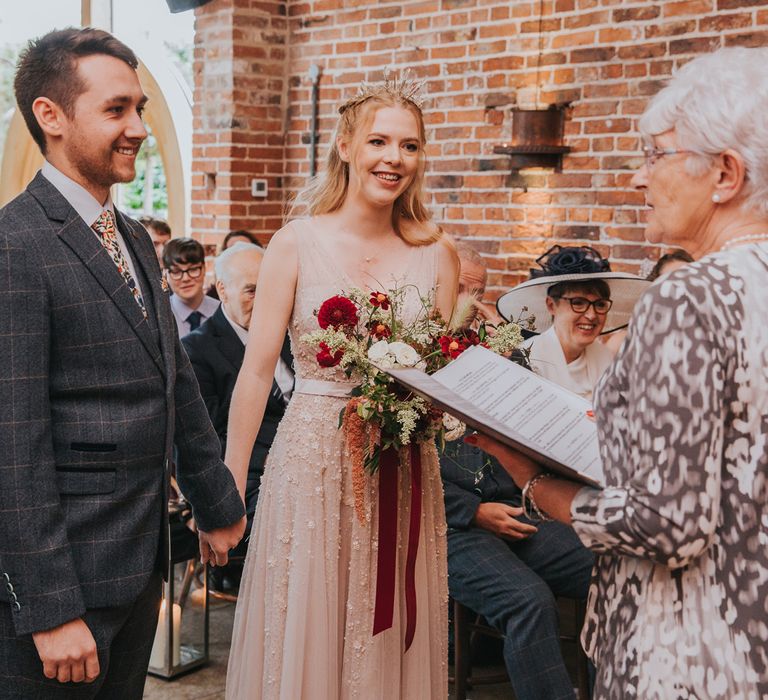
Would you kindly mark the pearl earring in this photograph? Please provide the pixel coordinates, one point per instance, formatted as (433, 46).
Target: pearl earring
(716, 198)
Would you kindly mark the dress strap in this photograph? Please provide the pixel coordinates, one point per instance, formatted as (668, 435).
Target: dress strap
(319, 387)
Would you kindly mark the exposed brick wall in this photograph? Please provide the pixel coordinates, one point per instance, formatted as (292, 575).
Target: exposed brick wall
(239, 67)
(479, 59)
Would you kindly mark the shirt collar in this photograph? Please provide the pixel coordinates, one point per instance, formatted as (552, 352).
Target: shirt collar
(241, 332)
(207, 307)
(80, 199)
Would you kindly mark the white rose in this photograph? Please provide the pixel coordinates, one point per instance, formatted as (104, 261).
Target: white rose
(404, 354)
(378, 351)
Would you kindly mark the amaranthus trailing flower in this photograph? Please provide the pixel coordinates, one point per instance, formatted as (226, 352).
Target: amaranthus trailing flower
(363, 332)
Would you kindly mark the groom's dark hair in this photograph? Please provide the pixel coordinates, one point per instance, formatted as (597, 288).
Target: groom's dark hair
(47, 67)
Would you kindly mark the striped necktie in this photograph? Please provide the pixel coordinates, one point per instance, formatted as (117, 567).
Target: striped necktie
(105, 227)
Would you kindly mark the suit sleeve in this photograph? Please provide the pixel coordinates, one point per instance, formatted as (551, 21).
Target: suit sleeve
(460, 505)
(36, 564)
(461, 502)
(216, 405)
(204, 479)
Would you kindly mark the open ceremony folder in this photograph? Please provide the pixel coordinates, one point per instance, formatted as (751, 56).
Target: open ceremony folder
(497, 397)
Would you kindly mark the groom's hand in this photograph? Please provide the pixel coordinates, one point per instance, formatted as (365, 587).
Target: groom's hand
(68, 652)
(215, 545)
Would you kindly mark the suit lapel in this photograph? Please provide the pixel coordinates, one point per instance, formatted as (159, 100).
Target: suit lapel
(234, 351)
(83, 242)
(229, 344)
(285, 352)
(287, 357)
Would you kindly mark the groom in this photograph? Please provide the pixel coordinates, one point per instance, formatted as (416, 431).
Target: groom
(95, 390)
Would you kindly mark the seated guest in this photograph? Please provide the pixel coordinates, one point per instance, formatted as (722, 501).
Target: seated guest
(501, 565)
(669, 263)
(574, 298)
(240, 236)
(184, 262)
(678, 600)
(160, 233)
(216, 351)
(473, 276)
(233, 238)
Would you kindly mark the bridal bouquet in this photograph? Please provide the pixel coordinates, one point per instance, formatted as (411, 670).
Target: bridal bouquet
(364, 332)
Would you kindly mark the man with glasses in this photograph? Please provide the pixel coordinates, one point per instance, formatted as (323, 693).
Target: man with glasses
(184, 262)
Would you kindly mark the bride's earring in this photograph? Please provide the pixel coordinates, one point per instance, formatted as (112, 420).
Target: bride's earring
(716, 198)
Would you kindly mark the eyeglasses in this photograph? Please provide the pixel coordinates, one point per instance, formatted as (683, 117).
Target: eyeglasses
(653, 154)
(580, 304)
(192, 272)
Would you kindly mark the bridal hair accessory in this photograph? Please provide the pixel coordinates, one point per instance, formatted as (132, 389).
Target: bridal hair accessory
(403, 88)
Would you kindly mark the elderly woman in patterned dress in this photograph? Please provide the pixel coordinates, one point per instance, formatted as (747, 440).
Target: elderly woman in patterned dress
(678, 605)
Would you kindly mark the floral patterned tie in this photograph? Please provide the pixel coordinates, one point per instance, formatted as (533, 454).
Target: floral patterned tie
(105, 227)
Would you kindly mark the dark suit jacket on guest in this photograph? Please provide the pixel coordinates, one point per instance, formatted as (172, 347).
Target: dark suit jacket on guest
(93, 396)
(216, 354)
(464, 492)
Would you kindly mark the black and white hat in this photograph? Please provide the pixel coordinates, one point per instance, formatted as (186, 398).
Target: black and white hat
(571, 264)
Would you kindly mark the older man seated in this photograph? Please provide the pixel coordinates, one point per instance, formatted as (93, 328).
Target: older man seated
(503, 566)
(216, 351)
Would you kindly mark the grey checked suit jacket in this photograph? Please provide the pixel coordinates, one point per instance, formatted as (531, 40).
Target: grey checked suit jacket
(92, 397)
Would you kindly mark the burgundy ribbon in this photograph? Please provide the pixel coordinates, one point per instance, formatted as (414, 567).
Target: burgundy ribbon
(389, 466)
(413, 546)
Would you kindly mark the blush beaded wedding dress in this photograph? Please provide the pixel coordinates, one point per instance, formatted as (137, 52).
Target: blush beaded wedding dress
(304, 621)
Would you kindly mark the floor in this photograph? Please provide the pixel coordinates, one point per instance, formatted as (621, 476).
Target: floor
(208, 683)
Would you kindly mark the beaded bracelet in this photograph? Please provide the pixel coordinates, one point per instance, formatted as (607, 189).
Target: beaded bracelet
(537, 513)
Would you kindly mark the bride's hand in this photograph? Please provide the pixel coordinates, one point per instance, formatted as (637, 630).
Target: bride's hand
(521, 468)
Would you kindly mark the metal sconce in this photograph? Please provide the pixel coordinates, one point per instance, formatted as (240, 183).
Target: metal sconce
(537, 138)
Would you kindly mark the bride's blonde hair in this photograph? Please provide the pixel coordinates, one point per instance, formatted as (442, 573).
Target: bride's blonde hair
(326, 192)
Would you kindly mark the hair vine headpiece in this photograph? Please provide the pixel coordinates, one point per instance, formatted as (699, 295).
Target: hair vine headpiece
(402, 87)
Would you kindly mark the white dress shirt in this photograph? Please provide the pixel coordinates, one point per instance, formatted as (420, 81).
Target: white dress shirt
(181, 312)
(87, 207)
(283, 373)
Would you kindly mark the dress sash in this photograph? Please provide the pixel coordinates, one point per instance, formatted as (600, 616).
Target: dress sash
(320, 387)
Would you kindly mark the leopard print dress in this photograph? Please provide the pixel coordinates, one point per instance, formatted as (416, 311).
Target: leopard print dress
(678, 607)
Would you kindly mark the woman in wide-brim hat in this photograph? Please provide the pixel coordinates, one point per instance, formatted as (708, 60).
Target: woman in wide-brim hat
(569, 302)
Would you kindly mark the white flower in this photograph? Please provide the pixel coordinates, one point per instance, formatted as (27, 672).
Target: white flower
(386, 362)
(378, 351)
(454, 428)
(404, 354)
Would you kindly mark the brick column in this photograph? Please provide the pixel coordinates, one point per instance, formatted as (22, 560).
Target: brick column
(240, 54)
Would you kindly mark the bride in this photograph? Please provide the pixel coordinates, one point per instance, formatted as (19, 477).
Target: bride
(304, 620)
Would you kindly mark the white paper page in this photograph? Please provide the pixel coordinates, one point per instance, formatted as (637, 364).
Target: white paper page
(540, 412)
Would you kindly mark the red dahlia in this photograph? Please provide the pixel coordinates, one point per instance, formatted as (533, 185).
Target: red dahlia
(452, 347)
(379, 300)
(380, 330)
(337, 312)
(327, 359)
(470, 337)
